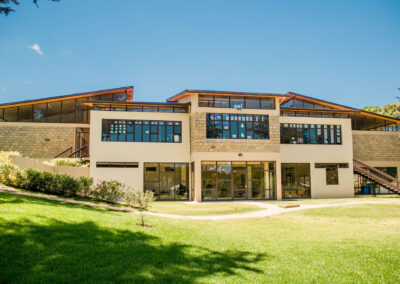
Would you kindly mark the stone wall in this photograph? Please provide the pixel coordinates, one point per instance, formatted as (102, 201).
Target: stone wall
(376, 145)
(199, 142)
(36, 140)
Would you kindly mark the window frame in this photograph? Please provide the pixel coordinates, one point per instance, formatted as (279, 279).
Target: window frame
(122, 129)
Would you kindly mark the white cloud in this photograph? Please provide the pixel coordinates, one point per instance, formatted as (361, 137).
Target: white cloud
(36, 48)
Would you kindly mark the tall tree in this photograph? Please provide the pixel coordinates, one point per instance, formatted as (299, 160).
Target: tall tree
(6, 9)
(392, 110)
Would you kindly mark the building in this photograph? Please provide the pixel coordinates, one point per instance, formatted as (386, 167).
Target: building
(212, 145)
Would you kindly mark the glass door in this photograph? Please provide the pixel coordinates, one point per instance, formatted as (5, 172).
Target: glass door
(239, 190)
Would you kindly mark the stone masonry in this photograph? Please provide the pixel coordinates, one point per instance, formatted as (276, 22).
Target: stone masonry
(199, 142)
(36, 141)
(376, 146)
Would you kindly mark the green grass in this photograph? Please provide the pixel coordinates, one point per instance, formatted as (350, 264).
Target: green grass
(357, 198)
(202, 209)
(49, 241)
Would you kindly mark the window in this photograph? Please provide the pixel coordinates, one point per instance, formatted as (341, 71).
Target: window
(332, 172)
(296, 180)
(237, 126)
(310, 134)
(332, 175)
(141, 131)
(222, 180)
(296, 103)
(236, 102)
(167, 180)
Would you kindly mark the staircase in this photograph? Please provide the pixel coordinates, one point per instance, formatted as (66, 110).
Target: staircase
(376, 176)
(81, 152)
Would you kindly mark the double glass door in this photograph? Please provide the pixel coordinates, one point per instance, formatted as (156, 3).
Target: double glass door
(238, 180)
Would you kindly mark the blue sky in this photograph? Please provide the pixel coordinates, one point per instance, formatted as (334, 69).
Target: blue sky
(342, 51)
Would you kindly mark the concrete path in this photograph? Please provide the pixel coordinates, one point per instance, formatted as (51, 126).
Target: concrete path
(266, 209)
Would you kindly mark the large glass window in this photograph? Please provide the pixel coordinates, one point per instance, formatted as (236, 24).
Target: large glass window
(168, 181)
(310, 134)
(237, 126)
(11, 114)
(25, 113)
(40, 112)
(54, 112)
(141, 131)
(238, 102)
(296, 180)
(296, 103)
(68, 111)
(237, 180)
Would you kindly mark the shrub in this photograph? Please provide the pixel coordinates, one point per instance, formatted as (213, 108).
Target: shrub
(109, 190)
(66, 162)
(141, 200)
(7, 173)
(85, 186)
(47, 182)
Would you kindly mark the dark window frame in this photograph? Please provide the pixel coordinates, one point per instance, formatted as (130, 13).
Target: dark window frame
(227, 126)
(157, 195)
(124, 129)
(212, 98)
(311, 134)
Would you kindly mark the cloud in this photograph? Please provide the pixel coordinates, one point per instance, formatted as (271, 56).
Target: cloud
(36, 48)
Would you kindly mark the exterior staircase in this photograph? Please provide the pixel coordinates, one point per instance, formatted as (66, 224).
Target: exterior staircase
(376, 176)
(81, 152)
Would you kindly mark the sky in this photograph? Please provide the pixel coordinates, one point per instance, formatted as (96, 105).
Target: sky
(343, 51)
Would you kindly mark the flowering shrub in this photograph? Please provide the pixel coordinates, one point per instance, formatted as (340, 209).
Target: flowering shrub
(108, 190)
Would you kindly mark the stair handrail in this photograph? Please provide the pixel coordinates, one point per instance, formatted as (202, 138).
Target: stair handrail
(63, 152)
(377, 172)
(78, 150)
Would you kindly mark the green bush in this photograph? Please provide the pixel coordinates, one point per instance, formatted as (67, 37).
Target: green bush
(66, 162)
(47, 182)
(109, 190)
(85, 186)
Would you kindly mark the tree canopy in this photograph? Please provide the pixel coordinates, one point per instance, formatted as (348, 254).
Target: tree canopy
(6, 9)
(392, 110)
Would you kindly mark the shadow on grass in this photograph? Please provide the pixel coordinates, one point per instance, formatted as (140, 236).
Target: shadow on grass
(16, 198)
(55, 251)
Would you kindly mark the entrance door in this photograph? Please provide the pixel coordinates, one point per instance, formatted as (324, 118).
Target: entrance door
(239, 185)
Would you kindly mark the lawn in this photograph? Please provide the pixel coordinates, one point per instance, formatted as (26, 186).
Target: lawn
(202, 209)
(49, 241)
(357, 198)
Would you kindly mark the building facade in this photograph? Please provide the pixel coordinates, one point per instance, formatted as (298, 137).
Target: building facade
(210, 145)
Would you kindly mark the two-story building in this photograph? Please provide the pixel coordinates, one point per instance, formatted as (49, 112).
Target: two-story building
(212, 145)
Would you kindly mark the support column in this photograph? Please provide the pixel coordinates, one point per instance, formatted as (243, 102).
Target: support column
(197, 181)
(278, 174)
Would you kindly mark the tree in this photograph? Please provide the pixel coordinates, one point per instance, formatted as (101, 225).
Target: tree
(392, 110)
(142, 201)
(7, 9)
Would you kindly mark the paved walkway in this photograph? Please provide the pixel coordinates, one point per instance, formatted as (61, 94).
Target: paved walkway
(266, 209)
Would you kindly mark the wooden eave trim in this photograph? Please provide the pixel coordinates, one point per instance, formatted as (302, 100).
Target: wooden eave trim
(357, 111)
(39, 101)
(136, 104)
(179, 96)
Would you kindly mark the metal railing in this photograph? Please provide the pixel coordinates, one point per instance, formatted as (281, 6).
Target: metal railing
(376, 175)
(63, 152)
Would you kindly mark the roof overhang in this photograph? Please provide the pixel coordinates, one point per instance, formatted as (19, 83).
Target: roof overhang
(336, 107)
(189, 92)
(128, 89)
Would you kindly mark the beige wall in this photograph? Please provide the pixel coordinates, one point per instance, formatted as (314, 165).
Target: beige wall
(26, 163)
(37, 140)
(311, 153)
(140, 152)
(376, 145)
